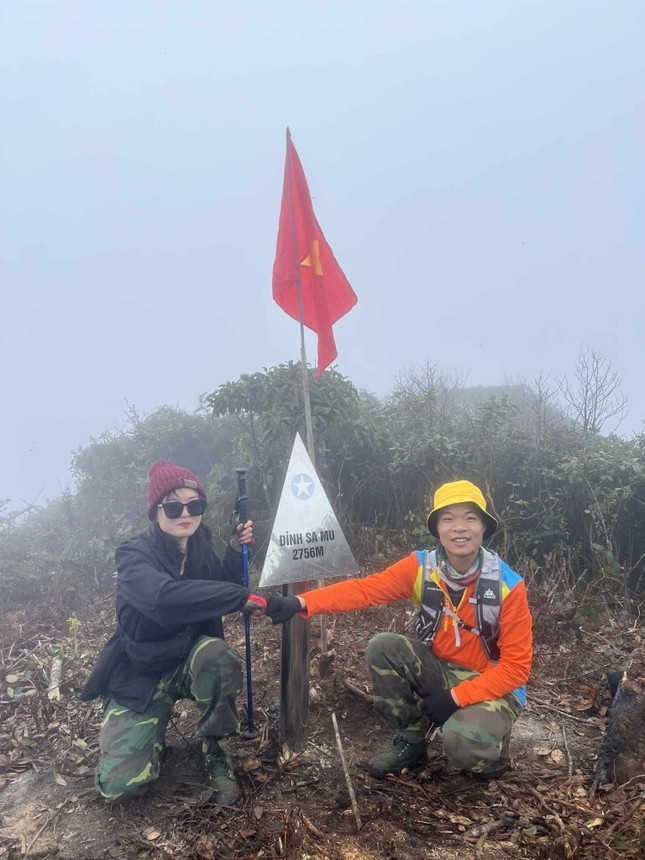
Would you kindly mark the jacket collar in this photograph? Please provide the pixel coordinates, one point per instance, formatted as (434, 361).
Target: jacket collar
(167, 550)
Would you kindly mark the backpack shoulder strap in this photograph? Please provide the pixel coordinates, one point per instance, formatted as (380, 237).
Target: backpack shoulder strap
(488, 603)
(431, 599)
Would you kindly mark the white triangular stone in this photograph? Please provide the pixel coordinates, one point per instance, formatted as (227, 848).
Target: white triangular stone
(306, 542)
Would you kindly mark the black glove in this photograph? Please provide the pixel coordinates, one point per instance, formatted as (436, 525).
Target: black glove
(255, 605)
(281, 609)
(438, 705)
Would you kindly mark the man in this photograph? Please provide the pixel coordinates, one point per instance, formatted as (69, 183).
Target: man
(467, 670)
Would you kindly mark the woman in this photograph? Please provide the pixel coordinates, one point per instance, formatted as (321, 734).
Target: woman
(467, 670)
(171, 592)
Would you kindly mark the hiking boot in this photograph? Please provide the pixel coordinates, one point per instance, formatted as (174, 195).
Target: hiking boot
(219, 771)
(492, 772)
(402, 753)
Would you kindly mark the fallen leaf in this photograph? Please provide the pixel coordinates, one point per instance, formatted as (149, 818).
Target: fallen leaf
(557, 756)
(150, 833)
(542, 750)
(460, 819)
(12, 679)
(594, 822)
(59, 778)
(285, 754)
(258, 812)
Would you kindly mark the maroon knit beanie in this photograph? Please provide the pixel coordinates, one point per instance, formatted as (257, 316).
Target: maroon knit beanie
(165, 477)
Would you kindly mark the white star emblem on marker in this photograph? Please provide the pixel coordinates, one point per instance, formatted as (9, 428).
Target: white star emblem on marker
(302, 486)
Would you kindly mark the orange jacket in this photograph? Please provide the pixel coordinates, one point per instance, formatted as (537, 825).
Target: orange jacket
(398, 581)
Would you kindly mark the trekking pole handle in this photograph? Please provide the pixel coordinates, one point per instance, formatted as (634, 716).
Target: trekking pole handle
(242, 505)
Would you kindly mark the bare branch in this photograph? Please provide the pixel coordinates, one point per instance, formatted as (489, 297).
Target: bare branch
(593, 396)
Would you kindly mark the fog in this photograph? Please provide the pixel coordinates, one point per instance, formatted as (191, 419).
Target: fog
(476, 167)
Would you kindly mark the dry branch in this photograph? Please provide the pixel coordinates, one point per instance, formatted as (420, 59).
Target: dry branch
(566, 746)
(48, 820)
(350, 787)
(358, 692)
(587, 722)
(486, 829)
(53, 690)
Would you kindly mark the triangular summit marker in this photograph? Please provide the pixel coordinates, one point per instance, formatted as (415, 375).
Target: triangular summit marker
(306, 542)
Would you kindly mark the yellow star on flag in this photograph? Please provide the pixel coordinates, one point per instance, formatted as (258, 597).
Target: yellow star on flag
(314, 254)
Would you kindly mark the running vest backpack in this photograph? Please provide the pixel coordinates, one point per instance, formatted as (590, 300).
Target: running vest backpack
(487, 598)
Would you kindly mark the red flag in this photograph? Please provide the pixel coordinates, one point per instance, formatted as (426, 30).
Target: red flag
(304, 262)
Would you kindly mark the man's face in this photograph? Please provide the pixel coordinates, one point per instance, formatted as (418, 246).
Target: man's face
(461, 532)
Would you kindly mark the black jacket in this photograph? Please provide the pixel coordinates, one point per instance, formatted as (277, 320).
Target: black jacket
(160, 614)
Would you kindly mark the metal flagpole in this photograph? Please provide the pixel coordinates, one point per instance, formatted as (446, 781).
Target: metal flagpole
(303, 355)
(294, 656)
(295, 637)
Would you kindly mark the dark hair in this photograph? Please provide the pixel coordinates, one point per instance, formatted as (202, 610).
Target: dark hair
(200, 550)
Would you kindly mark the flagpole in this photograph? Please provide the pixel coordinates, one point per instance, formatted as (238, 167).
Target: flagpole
(287, 274)
(309, 427)
(305, 380)
(308, 422)
(294, 653)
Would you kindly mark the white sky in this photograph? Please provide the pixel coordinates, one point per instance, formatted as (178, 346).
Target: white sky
(477, 168)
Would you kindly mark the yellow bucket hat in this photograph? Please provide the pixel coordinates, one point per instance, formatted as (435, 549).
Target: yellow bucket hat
(458, 493)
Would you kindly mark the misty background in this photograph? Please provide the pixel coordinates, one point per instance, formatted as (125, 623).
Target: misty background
(476, 167)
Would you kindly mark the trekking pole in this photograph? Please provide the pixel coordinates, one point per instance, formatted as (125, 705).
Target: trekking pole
(241, 509)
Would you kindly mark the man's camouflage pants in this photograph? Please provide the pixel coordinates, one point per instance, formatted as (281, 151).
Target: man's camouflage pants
(475, 738)
(132, 744)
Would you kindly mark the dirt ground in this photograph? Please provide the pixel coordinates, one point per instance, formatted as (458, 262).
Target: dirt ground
(544, 807)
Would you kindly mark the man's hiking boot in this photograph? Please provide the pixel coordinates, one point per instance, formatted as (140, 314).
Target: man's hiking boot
(402, 753)
(219, 771)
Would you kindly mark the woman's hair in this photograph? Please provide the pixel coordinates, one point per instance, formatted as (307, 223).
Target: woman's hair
(200, 550)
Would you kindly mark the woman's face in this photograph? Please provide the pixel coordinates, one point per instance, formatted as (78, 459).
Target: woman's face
(185, 526)
(461, 532)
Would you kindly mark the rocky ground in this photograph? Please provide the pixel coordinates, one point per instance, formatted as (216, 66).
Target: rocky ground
(545, 807)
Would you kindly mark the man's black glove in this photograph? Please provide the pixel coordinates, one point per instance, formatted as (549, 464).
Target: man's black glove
(438, 705)
(281, 609)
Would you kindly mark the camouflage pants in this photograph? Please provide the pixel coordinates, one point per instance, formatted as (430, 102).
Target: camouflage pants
(475, 738)
(132, 744)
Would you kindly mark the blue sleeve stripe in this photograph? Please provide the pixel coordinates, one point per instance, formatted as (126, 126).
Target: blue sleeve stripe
(520, 695)
(509, 577)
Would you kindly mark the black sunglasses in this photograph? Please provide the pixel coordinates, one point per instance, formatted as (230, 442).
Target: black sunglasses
(174, 509)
